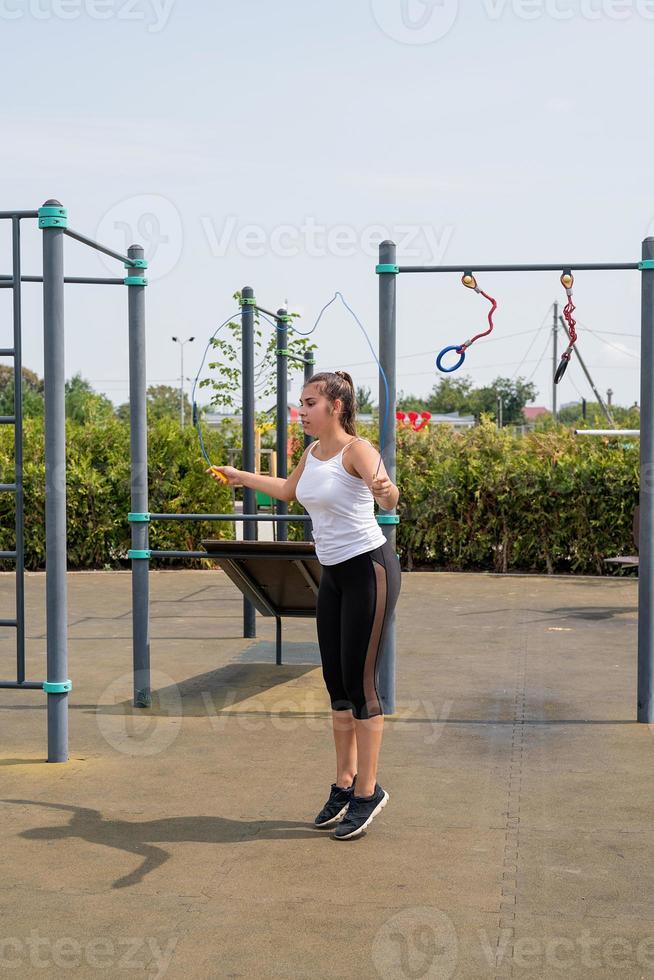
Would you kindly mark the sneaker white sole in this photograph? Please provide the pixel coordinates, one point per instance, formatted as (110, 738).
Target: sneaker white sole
(355, 833)
(333, 820)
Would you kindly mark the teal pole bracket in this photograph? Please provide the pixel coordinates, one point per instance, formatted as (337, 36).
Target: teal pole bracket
(53, 216)
(248, 301)
(136, 264)
(285, 319)
(57, 687)
(283, 350)
(646, 264)
(138, 518)
(386, 267)
(139, 553)
(135, 281)
(388, 518)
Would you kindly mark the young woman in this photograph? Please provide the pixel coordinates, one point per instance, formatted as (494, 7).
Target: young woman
(359, 586)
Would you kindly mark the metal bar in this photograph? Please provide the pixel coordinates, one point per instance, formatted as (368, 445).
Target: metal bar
(262, 309)
(7, 419)
(7, 487)
(179, 554)
(93, 280)
(645, 709)
(8, 555)
(250, 532)
(388, 361)
(26, 685)
(229, 517)
(18, 454)
(309, 369)
(19, 214)
(139, 490)
(55, 488)
(605, 409)
(7, 352)
(8, 622)
(574, 267)
(607, 432)
(98, 247)
(282, 417)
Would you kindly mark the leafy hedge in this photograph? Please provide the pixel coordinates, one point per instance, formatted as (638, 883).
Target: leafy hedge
(482, 499)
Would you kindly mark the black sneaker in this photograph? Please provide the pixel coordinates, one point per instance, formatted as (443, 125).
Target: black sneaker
(361, 811)
(336, 805)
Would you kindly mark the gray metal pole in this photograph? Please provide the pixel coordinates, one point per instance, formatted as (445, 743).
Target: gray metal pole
(139, 489)
(387, 358)
(55, 488)
(555, 357)
(247, 422)
(646, 534)
(309, 369)
(282, 416)
(18, 455)
(181, 384)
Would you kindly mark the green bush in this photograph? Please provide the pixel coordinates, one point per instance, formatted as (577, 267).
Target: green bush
(478, 500)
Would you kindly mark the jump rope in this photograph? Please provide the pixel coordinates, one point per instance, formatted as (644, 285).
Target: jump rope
(468, 280)
(337, 296)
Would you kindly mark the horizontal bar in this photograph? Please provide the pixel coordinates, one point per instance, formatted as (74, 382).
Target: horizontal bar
(179, 554)
(96, 245)
(607, 432)
(578, 267)
(28, 685)
(7, 420)
(7, 351)
(8, 487)
(266, 312)
(19, 214)
(93, 280)
(8, 622)
(8, 554)
(229, 517)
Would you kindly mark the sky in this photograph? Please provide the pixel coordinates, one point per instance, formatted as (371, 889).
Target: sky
(275, 144)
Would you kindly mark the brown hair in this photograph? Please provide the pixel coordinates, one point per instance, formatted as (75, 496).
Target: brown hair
(338, 384)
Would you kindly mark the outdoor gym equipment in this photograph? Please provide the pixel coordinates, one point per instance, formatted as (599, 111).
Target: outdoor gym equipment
(388, 271)
(53, 220)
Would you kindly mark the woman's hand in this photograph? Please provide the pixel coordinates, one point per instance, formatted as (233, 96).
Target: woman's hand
(381, 487)
(226, 474)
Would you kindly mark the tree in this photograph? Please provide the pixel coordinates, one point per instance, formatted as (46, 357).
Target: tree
(364, 400)
(83, 404)
(33, 392)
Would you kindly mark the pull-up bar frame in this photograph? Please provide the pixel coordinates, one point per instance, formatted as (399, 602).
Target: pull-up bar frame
(388, 270)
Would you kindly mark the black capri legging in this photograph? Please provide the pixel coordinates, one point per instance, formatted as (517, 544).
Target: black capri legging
(356, 598)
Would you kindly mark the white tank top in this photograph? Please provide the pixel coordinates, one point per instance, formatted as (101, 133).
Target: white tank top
(341, 508)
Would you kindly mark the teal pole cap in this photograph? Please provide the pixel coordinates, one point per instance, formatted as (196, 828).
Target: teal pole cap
(53, 216)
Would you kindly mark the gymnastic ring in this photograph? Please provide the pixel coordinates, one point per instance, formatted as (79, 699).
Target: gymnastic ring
(454, 366)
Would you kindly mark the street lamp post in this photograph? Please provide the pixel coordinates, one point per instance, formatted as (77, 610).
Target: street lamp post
(181, 376)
